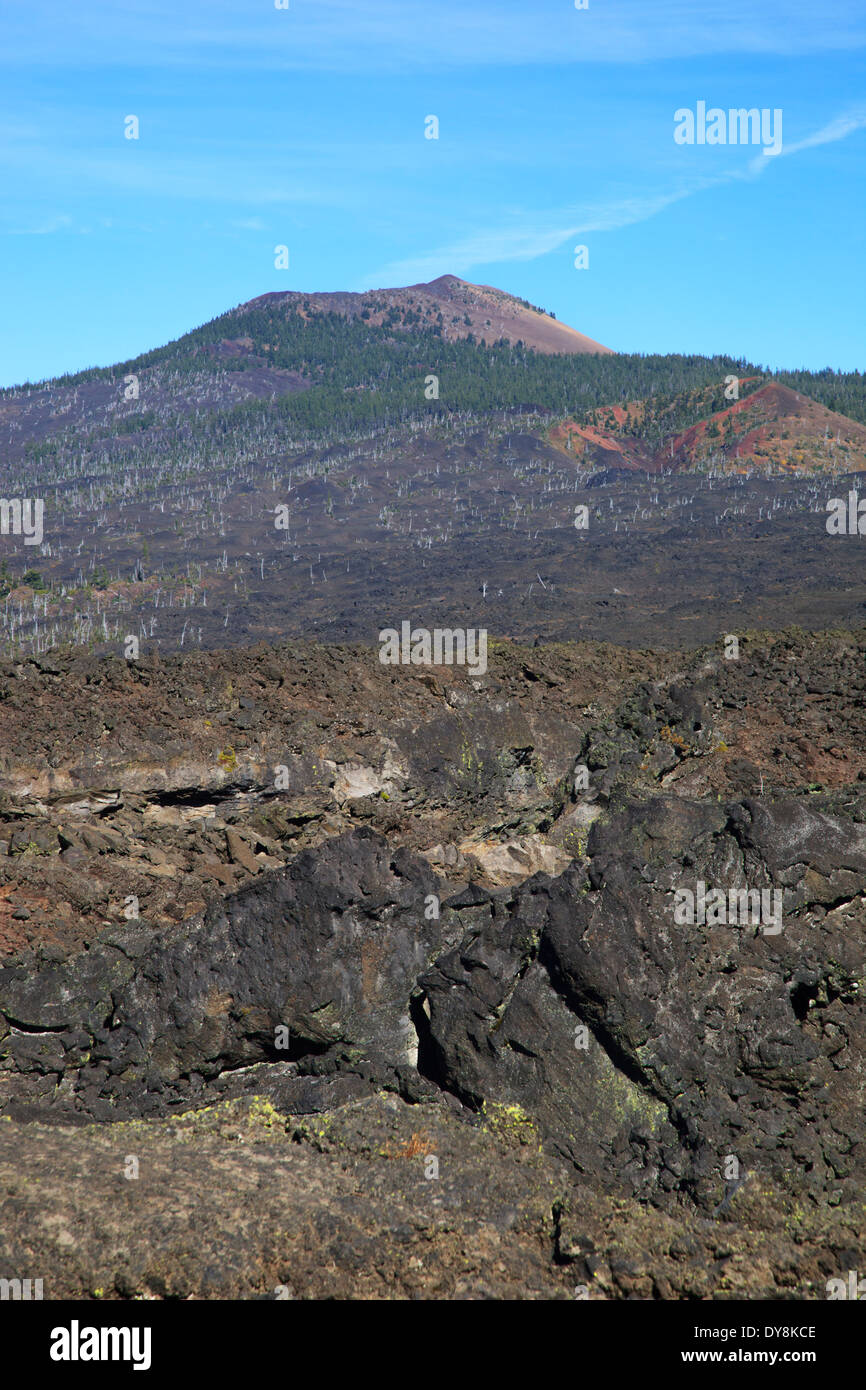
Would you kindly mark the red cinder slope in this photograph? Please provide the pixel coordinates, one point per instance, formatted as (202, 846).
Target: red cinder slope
(459, 308)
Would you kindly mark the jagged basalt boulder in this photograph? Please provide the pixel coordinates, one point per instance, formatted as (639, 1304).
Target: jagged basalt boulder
(663, 1052)
(714, 1020)
(655, 1054)
(328, 950)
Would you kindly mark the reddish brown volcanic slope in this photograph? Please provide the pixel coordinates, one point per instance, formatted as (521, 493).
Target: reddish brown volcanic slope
(489, 314)
(774, 429)
(779, 429)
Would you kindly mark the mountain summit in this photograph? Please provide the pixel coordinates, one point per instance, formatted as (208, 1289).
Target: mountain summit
(459, 307)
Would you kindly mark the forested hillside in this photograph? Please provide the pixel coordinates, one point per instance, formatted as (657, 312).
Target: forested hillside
(359, 375)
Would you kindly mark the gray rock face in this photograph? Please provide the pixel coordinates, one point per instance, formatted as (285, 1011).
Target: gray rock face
(657, 1056)
(745, 1036)
(317, 961)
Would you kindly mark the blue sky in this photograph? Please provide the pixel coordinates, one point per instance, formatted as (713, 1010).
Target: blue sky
(305, 127)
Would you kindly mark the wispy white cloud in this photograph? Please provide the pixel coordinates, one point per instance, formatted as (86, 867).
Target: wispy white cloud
(396, 34)
(534, 237)
(837, 129)
(249, 182)
(525, 242)
(61, 223)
